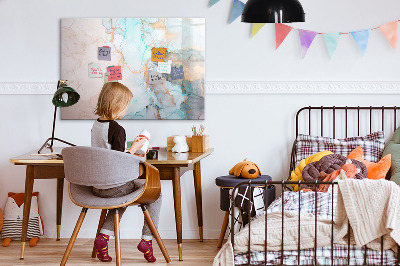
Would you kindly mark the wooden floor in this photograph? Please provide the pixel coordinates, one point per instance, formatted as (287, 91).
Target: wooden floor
(50, 252)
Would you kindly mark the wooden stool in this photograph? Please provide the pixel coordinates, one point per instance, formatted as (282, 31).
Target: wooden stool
(226, 183)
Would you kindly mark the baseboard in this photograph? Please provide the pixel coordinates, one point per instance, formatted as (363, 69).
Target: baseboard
(248, 87)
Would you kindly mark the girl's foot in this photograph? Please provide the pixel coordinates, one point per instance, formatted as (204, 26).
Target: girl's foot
(146, 247)
(101, 245)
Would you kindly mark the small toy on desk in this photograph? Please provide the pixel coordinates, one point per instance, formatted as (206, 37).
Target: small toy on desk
(180, 144)
(13, 215)
(245, 169)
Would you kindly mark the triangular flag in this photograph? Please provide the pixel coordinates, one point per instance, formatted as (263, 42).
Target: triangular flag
(332, 41)
(237, 9)
(256, 27)
(213, 2)
(361, 37)
(390, 32)
(281, 31)
(306, 39)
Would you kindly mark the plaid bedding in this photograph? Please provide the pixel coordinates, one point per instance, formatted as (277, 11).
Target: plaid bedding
(372, 145)
(323, 207)
(324, 257)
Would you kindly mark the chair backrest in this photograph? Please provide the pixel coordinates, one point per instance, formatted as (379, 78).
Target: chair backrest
(92, 166)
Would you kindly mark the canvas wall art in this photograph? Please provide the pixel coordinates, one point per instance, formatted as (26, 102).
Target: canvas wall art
(161, 60)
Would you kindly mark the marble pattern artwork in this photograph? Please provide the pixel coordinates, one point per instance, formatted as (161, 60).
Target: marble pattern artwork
(131, 41)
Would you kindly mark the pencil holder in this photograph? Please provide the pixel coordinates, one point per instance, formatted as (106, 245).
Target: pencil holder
(200, 143)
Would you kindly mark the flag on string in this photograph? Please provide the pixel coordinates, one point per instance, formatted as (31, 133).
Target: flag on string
(281, 31)
(306, 39)
(332, 41)
(389, 30)
(361, 37)
(213, 2)
(256, 27)
(237, 9)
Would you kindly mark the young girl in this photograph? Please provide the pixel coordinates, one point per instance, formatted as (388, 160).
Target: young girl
(112, 105)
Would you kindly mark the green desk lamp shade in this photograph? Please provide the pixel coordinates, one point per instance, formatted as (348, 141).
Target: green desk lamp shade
(64, 96)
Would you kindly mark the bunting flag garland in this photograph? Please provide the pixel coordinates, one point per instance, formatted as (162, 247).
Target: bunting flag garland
(213, 2)
(237, 9)
(361, 37)
(306, 39)
(332, 41)
(281, 31)
(256, 27)
(389, 30)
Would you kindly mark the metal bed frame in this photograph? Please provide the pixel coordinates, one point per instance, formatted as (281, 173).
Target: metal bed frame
(283, 184)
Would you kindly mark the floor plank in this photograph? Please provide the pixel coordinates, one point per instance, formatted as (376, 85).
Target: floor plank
(50, 252)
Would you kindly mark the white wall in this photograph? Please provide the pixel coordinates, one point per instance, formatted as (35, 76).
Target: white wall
(257, 127)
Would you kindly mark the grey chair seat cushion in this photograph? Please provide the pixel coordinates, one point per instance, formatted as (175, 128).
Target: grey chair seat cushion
(83, 196)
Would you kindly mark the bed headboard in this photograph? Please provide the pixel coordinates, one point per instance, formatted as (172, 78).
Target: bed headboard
(344, 121)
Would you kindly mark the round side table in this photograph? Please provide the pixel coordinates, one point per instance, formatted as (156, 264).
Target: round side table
(228, 182)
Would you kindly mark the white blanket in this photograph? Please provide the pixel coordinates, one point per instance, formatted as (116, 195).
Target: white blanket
(373, 209)
(371, 206)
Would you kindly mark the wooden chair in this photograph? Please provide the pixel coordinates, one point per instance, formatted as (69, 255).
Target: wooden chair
(85, 167)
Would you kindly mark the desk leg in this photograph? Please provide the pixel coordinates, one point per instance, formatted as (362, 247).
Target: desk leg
(60, 190)
(199, 204)
(27, 206)
(176, 182)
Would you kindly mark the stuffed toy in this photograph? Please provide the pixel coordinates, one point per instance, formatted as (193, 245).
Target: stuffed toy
(296, 174)
(13, 215)
(180, 144)
(245, 169)
(375, 170)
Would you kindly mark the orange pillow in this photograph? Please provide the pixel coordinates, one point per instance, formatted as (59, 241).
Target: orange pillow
(375, 170)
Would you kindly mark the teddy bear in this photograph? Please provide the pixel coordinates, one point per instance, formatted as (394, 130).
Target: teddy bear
(245, 169)
(180, 144)
(13, 215)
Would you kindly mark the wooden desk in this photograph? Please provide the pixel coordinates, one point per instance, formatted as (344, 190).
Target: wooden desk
(169, 165)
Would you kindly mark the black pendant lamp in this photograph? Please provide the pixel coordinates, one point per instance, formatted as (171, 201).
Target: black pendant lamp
(273, 11)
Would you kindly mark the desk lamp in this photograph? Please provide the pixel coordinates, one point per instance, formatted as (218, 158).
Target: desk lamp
(64, 96)
(273, 11)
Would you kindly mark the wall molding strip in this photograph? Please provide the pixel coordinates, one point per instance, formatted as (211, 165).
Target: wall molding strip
(250, 87)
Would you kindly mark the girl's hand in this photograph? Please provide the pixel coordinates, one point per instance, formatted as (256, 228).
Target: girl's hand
(137, 144)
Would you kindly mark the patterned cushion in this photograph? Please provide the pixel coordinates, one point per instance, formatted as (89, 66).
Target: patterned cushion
(372, 144)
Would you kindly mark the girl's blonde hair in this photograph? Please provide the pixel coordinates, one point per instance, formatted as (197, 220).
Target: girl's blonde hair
(113, 98)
